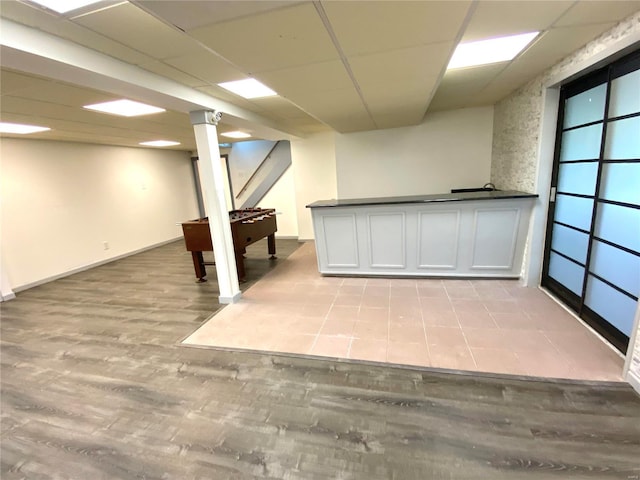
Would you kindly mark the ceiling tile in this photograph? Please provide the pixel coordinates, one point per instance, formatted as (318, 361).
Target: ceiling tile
(397, 51)
(64, 28)
(285, 112)
(451, 102)
(202, 13)
(63, 94)
(499, 18)
(556, 44)
(416, 63)
(586, 12)
(136, 29)
(352, 123)
(466, 82)
(277, 39)
(368, 27)
(381, 97)
(12, 82)
(334, 101)
(488, 84)
(398, 118)
(336, 107)
(315, 77)
(281, 107)
(549, 50)
(414, 108)
(207, 66)
(42, 110)
(310, 129)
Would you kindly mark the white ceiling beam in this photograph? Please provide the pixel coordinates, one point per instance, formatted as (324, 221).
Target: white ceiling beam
(34, 51)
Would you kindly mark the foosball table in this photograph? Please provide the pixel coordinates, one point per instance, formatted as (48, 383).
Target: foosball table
(247, 226)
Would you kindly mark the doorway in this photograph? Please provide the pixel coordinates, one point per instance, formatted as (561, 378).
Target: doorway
(592, 252)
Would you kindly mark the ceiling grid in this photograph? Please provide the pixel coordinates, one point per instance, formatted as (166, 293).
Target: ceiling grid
(341, 65)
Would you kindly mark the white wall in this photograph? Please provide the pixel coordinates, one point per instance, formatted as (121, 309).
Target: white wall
(282, 197)
(61, 201)
(448, 150)
(632, 363)
(314, 171)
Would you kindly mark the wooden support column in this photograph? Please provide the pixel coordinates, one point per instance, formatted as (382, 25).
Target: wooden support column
(212, 179)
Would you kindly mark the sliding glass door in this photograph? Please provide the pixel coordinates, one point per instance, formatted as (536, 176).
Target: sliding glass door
(592, 256)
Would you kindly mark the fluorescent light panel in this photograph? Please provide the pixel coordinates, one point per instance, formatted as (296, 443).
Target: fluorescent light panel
(236, 134)
(494, 50)
(126, 108)
(64, 6)
(248, 88)
(20, 128)
(160, 143)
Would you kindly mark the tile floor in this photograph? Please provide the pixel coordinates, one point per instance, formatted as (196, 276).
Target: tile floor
(491, 326)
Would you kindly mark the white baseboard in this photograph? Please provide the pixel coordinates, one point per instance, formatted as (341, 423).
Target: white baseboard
(7, 296)
(226, 300)
(91, 265)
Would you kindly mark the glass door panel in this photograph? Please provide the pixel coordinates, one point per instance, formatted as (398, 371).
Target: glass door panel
(567, 273)
(609, 303)
(570, 243)
(581, 143)
(623, 139)
(574, 211)
(621, 182)
(619, 225)
(578, 178)
(585, 107)
(625, 95)
(620, 268)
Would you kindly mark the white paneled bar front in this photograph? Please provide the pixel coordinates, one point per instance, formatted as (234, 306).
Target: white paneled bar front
(469, 234)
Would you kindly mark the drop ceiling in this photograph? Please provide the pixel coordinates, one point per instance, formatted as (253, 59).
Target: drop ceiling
(336, 65)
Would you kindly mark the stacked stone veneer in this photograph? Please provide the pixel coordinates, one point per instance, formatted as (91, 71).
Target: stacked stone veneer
(516, 129)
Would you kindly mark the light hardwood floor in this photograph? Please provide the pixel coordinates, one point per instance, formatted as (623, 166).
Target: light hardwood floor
(96, 386)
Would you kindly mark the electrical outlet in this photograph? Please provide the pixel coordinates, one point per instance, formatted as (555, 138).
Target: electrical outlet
(105, 245)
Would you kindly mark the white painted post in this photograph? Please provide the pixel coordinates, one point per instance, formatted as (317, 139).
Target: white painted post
(212, 179)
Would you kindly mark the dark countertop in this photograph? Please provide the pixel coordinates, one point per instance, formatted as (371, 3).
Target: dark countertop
(438, 197)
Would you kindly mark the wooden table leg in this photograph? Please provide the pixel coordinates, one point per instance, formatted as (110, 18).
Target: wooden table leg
(198, 266)
(271, 243)
(240, 266)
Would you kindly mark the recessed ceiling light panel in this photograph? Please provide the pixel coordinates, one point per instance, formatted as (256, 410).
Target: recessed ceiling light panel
(160, 143)
(248, 88)
(64, 6)
(21, 129)
(494, 50)
(125, 108)
(236, 134)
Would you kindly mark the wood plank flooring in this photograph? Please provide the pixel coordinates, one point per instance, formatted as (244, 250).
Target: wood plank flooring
(95, 386)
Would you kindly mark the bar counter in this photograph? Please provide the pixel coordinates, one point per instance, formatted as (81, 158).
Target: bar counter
(478, 234)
